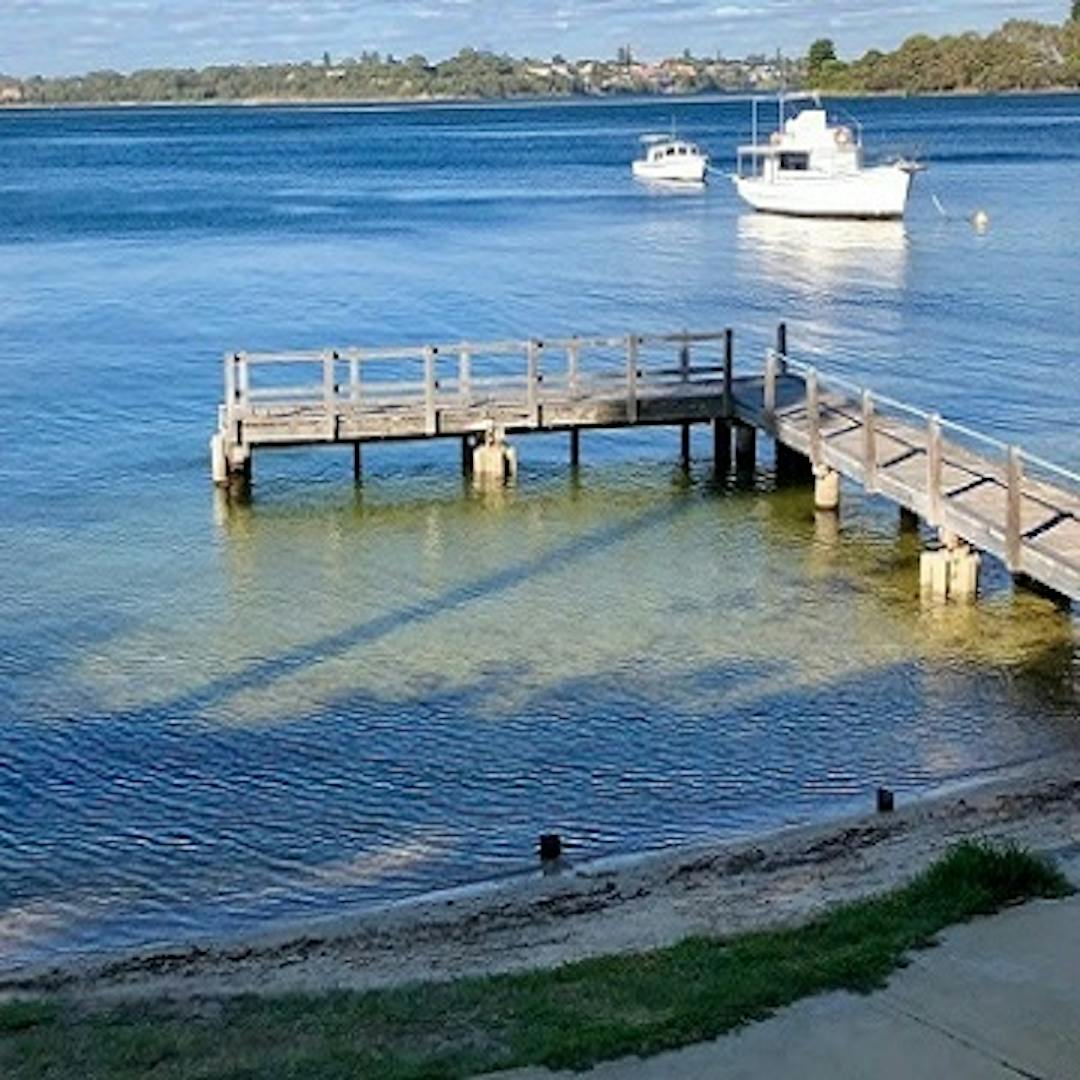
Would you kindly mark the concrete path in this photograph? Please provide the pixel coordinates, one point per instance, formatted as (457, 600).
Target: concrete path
(999, 998)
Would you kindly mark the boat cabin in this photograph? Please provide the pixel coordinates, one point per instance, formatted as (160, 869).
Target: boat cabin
(805, 143)
(660, 149)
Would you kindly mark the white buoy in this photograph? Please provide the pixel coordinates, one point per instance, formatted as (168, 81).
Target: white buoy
(980, 220)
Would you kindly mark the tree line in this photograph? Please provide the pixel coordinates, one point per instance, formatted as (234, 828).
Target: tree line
(1021, 55)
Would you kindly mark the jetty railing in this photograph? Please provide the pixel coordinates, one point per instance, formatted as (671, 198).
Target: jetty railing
(471, 375)
(995, 495)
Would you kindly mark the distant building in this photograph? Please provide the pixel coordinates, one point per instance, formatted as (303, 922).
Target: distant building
(10, 94)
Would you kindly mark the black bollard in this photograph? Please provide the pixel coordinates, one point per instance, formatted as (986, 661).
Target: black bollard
(550, 847)
(886, 801)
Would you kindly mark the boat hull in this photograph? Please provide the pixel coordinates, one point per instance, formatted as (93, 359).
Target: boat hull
(880, 192)
(682, 171)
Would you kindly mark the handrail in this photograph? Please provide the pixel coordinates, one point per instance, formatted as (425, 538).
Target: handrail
(417, 352)
(1049, 466)
(828, 379)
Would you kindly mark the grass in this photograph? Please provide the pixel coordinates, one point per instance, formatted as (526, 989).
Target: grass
(571, 1017)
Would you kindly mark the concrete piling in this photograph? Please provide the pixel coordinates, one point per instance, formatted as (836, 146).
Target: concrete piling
(219, 465)
(826, 488)
(949, 573)
(494, 461)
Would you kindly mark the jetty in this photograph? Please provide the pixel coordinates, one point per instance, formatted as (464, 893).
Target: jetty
(979, 494)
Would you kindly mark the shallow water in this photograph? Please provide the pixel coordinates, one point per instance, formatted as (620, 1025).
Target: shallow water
(214, 717)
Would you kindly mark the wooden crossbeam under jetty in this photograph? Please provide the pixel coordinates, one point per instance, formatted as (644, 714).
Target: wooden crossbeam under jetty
(981, 494)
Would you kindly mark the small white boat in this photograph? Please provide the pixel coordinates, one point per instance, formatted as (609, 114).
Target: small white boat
(668, 159)
(811, 168)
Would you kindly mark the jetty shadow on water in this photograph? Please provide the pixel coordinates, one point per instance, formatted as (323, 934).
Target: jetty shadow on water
(295, 660)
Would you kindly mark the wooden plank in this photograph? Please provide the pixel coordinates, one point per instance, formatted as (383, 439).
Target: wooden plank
(632, 345)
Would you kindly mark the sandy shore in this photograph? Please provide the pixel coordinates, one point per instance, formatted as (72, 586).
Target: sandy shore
(657, 900)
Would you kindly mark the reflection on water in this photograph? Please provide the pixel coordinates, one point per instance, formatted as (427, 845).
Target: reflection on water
(822, 258)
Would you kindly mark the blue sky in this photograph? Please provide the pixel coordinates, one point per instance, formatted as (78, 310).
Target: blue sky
(62, 36)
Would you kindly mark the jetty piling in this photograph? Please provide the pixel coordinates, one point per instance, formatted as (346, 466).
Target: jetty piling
(981, 495)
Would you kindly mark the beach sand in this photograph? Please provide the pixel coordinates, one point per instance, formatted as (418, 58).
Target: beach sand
(545, 921)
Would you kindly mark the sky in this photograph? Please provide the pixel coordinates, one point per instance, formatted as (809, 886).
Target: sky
(51, 37)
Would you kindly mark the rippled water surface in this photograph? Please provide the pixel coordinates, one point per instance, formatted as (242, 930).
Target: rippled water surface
(213, 717)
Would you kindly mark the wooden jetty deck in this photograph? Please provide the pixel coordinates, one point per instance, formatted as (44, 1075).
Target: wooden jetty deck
(975, 490)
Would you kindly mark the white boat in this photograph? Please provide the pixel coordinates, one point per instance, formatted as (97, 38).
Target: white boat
(811, 168)
(668, 159)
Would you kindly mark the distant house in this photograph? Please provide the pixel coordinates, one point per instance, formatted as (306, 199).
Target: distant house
(10, 94)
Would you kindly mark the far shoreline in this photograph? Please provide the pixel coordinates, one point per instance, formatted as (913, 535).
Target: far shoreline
(524, 101)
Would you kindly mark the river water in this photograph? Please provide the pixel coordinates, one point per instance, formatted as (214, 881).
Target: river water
(213, 718)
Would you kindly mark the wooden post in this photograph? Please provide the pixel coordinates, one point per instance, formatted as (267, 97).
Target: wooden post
(632, 344)
(244, 392)
(465, 376)
(330, 394)
(745, 452)
(684, 362)
(684, 448)
(781, 345)
(721, 447)
(354, 379)
(532, 382)
(769, 404)
(468, 444)
(231, 360)
(1013, 536)
(933, 469)
(729, 373)
(573, 360)
(575, 448)
(357, 470)
(869, 422)
(329, 389)
(813, 416)
(431, 419)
